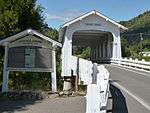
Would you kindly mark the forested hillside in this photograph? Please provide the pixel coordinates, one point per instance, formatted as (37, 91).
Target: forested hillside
(138, 24)
(137, 37)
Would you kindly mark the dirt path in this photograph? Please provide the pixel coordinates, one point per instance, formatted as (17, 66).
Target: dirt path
(55, 105)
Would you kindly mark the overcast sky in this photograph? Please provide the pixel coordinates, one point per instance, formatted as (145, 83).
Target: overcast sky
(59, 11)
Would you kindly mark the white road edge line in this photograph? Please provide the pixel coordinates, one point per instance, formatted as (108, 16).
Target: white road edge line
(134, 68)
(118, 66)
(141, 101)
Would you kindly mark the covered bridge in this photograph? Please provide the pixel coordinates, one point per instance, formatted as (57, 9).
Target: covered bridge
(94, 30)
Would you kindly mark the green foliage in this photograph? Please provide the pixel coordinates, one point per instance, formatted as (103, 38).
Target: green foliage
(50, 32)
(86, 53)
(58, 69)
(18, 15)
(82, 52)
(27, 81)
(141, 21)
(125, 48)
(146, 45)
(146, 58)
(133, 44)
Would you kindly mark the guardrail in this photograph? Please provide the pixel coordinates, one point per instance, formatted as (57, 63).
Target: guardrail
(142, 64)
(97, 94)
(83, 68)
(96, 77)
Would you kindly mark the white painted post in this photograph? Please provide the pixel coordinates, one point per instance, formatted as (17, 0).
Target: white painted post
(119, 48)
(53, 74)
(67, 84)
(95, 71)
(5, 71)
(114, 55)
(93, 99)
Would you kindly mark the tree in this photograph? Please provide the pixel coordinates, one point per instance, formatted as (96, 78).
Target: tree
(18, 15)
(50, 32)
(125, 48)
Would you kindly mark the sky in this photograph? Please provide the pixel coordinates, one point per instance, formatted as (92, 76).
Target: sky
(57, 12)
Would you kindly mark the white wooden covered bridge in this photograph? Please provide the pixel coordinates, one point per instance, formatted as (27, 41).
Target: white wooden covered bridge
(92, 29)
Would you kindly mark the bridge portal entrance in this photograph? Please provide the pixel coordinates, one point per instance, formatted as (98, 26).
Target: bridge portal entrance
(98, 42)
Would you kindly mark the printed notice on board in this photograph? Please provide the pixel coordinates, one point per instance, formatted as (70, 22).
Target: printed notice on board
(29, 58)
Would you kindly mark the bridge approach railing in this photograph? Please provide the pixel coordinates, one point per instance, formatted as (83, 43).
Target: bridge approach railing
(141, 64)
(96, 77)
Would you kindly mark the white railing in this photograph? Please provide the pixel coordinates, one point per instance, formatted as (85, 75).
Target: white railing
(103, 82)
(96, 77)
(97, 94)
(82, 68)
(142, 64)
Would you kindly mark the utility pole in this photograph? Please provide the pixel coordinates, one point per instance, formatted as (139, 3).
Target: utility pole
(141, 39)
(141, 36)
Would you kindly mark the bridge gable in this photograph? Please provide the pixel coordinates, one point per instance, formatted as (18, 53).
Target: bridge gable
(93, 22)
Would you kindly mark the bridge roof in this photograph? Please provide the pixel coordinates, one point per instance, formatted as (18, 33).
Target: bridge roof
(62, 29)
(96, 13)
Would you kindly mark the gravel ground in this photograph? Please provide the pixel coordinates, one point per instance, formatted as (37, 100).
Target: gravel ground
(54, 105)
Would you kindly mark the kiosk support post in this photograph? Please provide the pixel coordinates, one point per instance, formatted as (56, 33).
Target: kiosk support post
(5, 71)
(53, 74)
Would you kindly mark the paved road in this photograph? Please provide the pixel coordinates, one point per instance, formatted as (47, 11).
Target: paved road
(130, 93)
(54, 105)
(130, 90)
